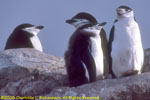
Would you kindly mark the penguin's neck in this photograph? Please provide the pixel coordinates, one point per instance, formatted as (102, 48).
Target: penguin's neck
(127, 20)
(95, 45)
(96, 51)
(36, 43)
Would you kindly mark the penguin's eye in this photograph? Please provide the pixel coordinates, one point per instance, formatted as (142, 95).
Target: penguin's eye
(128, 10)
(90, 27)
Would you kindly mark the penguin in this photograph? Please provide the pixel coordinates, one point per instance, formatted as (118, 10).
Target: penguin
(84, 18)
(125, 46)
(84, 57)
(25, 36)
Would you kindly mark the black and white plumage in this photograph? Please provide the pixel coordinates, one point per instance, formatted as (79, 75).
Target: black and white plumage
(125, 46)
(84, 57)
(25, 36)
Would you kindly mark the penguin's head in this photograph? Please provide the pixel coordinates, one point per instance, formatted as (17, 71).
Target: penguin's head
(124, 12)
(81, 19)
(30, 29)
(93, 29)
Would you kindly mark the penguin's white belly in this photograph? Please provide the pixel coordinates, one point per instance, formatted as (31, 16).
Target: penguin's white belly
(127, 51)
(97, 55)
(126, 60)
(36, 43)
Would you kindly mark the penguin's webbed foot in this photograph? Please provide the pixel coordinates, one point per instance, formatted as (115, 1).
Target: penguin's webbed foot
(130, 72)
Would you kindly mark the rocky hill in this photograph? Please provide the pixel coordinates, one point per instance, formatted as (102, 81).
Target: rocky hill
(28, 73)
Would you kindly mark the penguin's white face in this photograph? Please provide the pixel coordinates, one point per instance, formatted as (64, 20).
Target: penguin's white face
(32, 30)
(124, 13)
(79, 22)
(95, 29)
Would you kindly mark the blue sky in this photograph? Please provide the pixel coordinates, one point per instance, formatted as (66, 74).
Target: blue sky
(53, 13)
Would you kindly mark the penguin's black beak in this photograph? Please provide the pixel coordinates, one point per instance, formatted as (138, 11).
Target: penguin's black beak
(102, 24)
(70, 21)
(40, 27)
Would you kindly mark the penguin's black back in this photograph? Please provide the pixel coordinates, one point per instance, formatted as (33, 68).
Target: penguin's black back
(77, 54)
(19, 39)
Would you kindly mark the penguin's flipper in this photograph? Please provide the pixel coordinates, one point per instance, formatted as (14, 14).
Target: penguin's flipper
(104, 44)
(111, 38)
(88, 60)
(75, 69)
(77, 74)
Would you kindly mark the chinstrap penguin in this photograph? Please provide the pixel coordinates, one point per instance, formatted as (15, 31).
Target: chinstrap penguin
(125, 46)
(84, 57)
(25, 36)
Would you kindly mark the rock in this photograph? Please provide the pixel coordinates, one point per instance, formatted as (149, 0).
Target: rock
(28, 72)
(31, 59)
(15, 88)
(128, 88)
(146, 66)
(10, 74)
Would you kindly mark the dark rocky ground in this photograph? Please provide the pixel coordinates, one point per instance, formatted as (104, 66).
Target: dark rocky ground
(28, 72)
